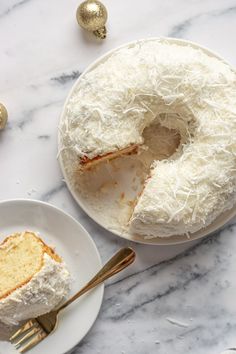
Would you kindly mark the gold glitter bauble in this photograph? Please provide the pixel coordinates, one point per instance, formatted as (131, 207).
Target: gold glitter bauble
(3, 116)
(92, 16)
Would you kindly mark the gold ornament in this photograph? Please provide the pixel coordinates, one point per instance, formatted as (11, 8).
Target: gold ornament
(92, 16)
(3, 116)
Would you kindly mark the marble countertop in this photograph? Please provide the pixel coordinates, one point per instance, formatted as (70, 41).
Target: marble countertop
(177, 299)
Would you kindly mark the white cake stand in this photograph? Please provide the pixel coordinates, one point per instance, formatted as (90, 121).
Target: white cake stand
(100, 193)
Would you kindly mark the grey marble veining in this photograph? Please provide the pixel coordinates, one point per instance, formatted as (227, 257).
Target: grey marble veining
(177, 299)
(182, 305)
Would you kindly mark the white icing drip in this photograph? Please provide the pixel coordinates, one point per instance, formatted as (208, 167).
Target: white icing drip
(40, 295)
(113, 104)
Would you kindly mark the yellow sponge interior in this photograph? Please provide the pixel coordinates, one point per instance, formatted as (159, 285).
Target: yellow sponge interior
(21, 257)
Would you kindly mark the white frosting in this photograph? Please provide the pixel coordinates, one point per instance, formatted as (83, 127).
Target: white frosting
(137, 84)
(40, 295)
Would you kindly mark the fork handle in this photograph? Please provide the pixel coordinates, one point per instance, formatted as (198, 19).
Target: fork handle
(122, 259)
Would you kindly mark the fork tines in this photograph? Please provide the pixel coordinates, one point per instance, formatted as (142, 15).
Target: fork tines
(30, 334)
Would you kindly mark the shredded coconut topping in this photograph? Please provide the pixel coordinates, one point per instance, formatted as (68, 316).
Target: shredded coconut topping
(147, 81)
(40, 295)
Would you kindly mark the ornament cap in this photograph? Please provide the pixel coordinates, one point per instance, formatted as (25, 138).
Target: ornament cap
(101, 32)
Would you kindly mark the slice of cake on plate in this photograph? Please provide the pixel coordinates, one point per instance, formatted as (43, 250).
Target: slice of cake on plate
(33, 278)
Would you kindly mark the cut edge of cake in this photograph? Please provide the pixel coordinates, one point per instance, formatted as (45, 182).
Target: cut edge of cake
(44, 250)
(86, 163)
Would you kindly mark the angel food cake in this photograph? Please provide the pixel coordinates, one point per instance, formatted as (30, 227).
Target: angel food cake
(182, 87)
(33, 278)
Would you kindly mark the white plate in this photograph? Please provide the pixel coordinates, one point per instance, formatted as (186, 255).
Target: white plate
(78, 250)
(99, 192)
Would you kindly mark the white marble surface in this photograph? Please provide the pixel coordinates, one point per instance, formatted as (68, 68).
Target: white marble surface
(182, 305)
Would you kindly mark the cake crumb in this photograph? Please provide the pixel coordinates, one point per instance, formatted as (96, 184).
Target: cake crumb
(105, 187)
(122, 196)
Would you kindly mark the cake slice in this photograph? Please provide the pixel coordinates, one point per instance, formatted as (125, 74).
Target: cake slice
(33, 278)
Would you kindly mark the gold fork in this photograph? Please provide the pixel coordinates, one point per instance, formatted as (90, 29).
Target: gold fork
(35, 330)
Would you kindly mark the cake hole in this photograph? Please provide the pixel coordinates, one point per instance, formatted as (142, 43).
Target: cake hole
(160, 143)
(110, 189)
